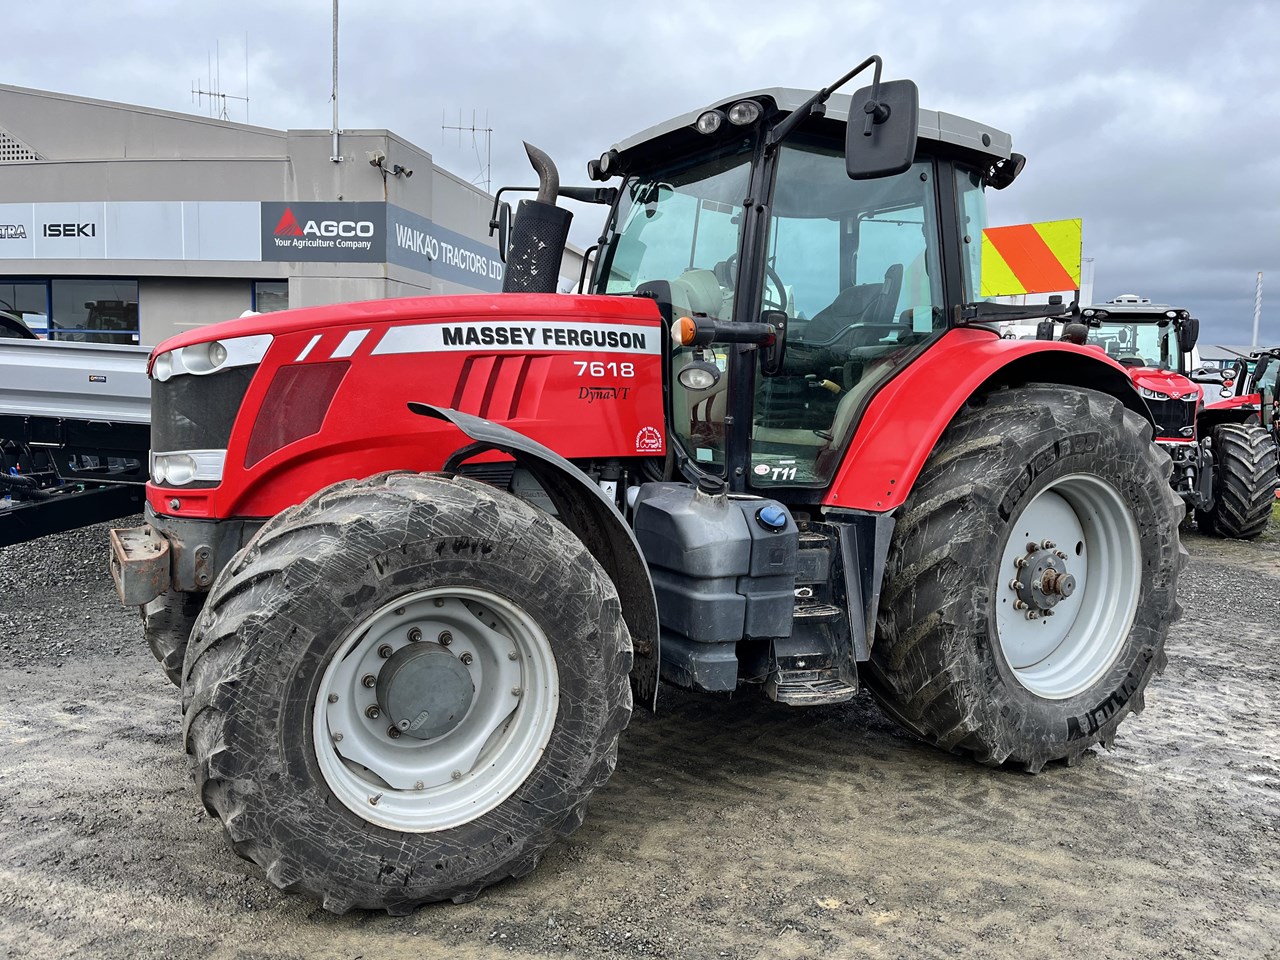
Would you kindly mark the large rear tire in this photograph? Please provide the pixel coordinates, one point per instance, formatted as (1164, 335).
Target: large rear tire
(1245, 482)
(1031, 580)
(167, 622)
(404, 690)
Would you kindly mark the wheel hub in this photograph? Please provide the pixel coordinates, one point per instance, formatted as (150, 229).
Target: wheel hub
(1042, 580)
(425, 690)
(420, 734)
(1063, 615)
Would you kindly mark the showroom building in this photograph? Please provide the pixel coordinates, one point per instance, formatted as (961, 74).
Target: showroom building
(125, 224)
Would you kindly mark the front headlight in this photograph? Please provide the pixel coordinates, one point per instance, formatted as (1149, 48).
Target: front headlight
(210, 357)
(173, 469)
(1152, 394)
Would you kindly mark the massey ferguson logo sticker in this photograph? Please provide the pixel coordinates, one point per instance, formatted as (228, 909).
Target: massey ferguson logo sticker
(323, 233)
(13, 231)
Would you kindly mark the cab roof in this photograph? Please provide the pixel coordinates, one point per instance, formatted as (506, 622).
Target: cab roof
(934, 125)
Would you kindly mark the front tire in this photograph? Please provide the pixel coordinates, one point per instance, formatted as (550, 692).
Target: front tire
(1031, 580)
(404, 690)
(167, 622)
(1245, 475)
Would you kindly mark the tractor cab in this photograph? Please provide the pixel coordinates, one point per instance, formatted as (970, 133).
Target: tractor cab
(1154, 342)
(817, 265)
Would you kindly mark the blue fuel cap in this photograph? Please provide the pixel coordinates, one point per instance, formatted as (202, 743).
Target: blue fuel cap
(772, 517)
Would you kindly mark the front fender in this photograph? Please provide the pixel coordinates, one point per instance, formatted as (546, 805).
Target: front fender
(582, 507)
(902, 423)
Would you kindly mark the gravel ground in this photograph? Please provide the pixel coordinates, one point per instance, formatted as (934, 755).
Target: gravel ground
(733, 828)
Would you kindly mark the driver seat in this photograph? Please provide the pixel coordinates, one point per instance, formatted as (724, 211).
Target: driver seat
(866, 303)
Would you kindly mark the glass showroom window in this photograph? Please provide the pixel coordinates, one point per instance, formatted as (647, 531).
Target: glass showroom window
(270, 295)
(28, 301)
(95, 311)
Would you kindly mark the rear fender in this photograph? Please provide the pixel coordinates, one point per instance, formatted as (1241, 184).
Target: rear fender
(902, 423)
(582, 507)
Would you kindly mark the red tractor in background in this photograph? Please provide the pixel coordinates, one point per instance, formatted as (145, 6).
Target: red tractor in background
(1224, 460)
(403, 557)
(1248, 385)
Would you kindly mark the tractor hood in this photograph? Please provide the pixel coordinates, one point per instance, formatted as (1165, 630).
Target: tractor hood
(1170, 384)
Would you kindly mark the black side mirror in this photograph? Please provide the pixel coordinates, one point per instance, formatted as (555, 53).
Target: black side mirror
(501, 222)
(881, 136)
(1188, 333)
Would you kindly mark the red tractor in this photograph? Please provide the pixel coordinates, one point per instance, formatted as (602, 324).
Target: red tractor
(402, 557)
(1248, 385)
(1224, 461)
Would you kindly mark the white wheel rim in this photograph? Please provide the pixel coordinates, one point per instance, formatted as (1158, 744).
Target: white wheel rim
(419, 786)
(1062, 654)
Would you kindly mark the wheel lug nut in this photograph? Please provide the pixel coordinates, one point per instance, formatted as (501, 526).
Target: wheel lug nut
(419, 785)
(369, 680)
(445, 638)
(1032, 547)
(516, 691)
(1060, 555)
(466, 659)
(333, 698)
(372, 711)
(337, 738)
(1019, 562)
(385, 651)
(1014, 584)
(1019, 605)
(1048, 544)
(456, 775)
(393, 733)
(512, 655)
(415, 635)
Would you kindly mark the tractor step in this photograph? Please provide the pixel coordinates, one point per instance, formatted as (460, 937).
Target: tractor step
(808, 688)
(817, 612)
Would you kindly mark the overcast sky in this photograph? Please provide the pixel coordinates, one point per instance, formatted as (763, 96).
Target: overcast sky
(1156, 122)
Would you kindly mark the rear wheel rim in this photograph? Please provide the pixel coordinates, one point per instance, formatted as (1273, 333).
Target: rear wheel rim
(419, 786)
(1092, 534)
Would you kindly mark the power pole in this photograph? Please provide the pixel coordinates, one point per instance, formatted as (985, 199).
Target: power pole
(336, 156)
(1257, 308)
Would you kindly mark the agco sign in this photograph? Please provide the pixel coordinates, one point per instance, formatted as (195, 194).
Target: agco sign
(341, 232)
(289, 227)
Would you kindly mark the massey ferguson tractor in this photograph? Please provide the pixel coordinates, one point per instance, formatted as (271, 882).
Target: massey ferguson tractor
(410, 561)
(1224, 460)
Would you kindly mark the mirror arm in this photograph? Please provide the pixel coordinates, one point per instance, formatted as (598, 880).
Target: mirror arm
(602, 195)
(967, 314)
(815, 104)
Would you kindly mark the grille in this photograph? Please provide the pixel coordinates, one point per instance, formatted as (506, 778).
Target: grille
(11, 149)
(1172, 415)
(191, 412)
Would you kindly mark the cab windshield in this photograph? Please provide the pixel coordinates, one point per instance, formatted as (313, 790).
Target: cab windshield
(680, 227)
(1149, 344)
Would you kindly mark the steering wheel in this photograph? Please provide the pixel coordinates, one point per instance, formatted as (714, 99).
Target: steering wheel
(726, 272)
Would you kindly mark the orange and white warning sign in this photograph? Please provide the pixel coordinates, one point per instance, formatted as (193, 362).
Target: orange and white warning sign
(1031, 258)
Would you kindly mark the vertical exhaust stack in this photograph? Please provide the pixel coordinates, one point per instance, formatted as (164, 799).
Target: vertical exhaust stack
(539, 234)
